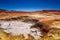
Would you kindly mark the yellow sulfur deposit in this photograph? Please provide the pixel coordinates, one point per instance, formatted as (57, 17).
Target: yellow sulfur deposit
(3, 35)
(53, 34)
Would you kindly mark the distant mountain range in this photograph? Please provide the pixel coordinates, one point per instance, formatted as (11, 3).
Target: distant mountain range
(57, 12)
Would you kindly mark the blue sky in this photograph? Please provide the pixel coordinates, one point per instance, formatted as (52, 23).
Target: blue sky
(30, 5)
